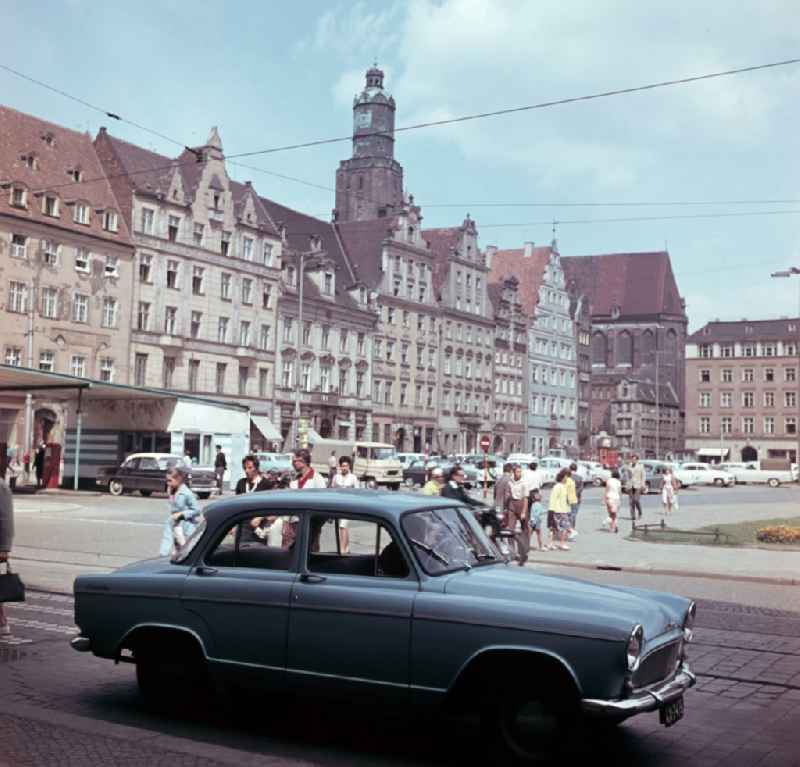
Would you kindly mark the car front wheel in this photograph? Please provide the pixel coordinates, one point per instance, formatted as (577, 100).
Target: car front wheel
(146, 493)
(115, 487)
(410, 482)
(204, 496)
(774, 482)
(719, 482)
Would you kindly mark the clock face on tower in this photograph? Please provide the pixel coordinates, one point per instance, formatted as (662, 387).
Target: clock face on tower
(363, 119)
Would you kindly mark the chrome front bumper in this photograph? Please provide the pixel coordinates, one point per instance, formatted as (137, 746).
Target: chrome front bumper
(81, 644)
(641, 701)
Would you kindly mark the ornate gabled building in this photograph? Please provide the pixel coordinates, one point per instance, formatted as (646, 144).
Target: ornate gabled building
(466, 337)
(66, 263)
(638, 325)
(331, 352)
(207, 279)
(552, 407)
(393, 263)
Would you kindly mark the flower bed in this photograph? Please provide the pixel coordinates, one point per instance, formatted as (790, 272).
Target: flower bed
(779, 534)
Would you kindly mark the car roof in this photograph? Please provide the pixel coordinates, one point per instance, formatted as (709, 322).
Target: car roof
(384, 504)
(153, 455)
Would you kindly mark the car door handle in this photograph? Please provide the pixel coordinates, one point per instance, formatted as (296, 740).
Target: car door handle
(203, 570)
(309, 578)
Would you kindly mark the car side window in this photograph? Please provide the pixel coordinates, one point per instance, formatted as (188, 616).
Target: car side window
(258, 541)
(362, 452)
(342, 546)
(131, 464)
(148, 464)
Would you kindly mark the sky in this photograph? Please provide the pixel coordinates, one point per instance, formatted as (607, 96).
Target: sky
(270, 74)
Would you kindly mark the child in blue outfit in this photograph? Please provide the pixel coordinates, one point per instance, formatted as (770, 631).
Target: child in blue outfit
(184, 514)
(537, 513)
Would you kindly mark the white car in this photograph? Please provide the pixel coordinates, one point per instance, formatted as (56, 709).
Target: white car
(705, 474)
(753, 474)
(408, 458)
(598, 474)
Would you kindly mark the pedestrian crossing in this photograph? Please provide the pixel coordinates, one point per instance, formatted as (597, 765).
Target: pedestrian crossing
(42, 615)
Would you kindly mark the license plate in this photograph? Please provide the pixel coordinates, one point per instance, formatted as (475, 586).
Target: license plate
(672, 712)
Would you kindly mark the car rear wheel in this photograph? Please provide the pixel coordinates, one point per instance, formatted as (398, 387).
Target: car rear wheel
(719, 482)
(115, 487)
(410, 482)
(204, 496)
(173, 678)
(774, 482)
(395, 486)
(146, 493)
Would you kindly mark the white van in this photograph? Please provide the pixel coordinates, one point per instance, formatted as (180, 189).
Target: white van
(372, 461)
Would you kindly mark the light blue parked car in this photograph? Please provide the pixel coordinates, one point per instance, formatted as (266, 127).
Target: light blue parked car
(422, 608)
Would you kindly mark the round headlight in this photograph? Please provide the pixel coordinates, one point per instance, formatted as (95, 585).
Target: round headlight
(635, 645)
(688, 622)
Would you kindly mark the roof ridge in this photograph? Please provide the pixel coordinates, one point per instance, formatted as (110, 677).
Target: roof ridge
(80, 134)
(143, 149)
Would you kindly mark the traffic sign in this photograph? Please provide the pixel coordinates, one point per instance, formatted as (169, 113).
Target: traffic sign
(485, 443)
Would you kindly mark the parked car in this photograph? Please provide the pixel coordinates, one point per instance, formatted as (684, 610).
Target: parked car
(422, 610)
(407, 458)
(147, 473)
(753, 474)
(705, 474)
(374, 463)
(494, 466)
(279, 463)
(598, 474)
(417, 472)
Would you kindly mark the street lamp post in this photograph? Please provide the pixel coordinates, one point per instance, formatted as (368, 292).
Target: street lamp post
(794, 271)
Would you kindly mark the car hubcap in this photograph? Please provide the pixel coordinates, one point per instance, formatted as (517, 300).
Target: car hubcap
(531, 728)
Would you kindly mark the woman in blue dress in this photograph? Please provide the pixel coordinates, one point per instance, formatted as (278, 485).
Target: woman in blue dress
(184, 513)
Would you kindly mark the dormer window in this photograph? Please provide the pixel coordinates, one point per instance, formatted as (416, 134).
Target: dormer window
(327, 284)
(362, 296)
(110, 221)
(50, 206)
(30, 160)
(217, 200)
(291, 276)
(49, 139)
(81, 213)
(75, 174)
(19, 197)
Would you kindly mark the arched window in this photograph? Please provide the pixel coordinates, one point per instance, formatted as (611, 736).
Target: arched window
(672, 339)
(648, 345)
(624, 348)
(599, 349)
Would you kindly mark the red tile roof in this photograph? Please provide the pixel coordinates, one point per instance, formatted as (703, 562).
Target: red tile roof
(529, 270)
(638, 284)
(759, 330)
(363, 242)
(67, 151)
(443, 243)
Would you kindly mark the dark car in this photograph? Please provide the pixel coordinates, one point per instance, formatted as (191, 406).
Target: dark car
(421, 610)
(147, 473)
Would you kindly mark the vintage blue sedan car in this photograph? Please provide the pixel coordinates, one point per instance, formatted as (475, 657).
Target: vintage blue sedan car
(414, 603)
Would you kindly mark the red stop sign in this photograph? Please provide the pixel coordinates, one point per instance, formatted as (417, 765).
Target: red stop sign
(485, 443)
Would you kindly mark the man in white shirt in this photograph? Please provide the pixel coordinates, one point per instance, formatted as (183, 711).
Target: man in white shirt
(307, 479)
(344, 479)
(533, 477)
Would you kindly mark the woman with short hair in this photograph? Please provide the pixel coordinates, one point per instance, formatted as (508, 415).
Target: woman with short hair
(184, 513)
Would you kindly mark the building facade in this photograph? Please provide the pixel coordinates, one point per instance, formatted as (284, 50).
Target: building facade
(66, 263)
(638, 326)
(326, 361)
(645, 421)
(581, 312)
(742, 390)
(207, 279)
(466, 338)
(552, 409)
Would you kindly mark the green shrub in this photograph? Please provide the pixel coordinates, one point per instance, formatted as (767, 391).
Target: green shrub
(779, 534)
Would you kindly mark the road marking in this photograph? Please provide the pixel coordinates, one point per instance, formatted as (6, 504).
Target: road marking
(41, 609)
(12, 640)
(46, 596)
(54, 628)
(99, 521)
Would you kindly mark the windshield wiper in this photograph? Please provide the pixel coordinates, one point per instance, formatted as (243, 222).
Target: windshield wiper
(430, 550)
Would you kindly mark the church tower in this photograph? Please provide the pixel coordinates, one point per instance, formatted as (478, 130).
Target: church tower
(370, 184)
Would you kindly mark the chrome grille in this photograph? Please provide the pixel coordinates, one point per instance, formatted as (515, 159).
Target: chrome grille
(657, 665)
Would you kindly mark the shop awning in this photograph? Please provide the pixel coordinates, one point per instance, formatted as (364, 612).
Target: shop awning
(713, 452)
(266, 427)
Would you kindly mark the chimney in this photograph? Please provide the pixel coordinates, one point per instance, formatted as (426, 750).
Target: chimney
(490, 252)
(528, 250)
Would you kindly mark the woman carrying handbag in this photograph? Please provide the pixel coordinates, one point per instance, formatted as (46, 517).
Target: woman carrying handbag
(11, 588)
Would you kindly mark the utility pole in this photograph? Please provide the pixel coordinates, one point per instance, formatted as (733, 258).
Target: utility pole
(27, 443)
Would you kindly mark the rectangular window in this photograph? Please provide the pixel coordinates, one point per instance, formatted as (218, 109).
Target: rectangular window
(769, 424)
(197, 234)
(263, 382)
(50, 206)
(287, 374)
(109, 312)
(288, 330)
(327, 284)
(790, 399)
(360, 379)
(81, 214)
(769, 375)
(264, 337)
(172, 274)
(80, 308)
(47, 361)
(390, 351)
(82, 259)
(225, 243)
(219, 380)
(748, 398)
(194, 375)
(222, 330)
(110, 221)
(404, 353)
(748, 424)
(148, 220)
(748, 375)
(790, 424)
(140, 370)
(325, 378)
(706, 350)
(107, 369)
(305, 376)
(769, 350)
(143, 316)
(197, 280)
(247, 249)
(247, 291)
(266, 297)
(170, 320)
(403, 394)
(726, 424)
(789, 375)
(705, 376)
(705, 399)
(225, 287)
(78, 366)
(267, 254)
(769, 399)
(726, 375)
(194, 327)
(145, 267)
(50, 303)
(168, 372)
(306, 334)
(50, 253)
(244, 333)
(388, 387)
(344, 341)
(14, 356)
(19, 246)
(111, 268)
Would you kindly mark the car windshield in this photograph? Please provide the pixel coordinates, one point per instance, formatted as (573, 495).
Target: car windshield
(382, 453)
(169, 461)
(183, 552)
(445, 540)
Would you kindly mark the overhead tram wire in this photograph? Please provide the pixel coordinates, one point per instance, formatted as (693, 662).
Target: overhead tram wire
(649, 203)
(416, 126)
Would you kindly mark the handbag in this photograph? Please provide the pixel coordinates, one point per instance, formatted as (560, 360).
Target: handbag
(12, 589)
